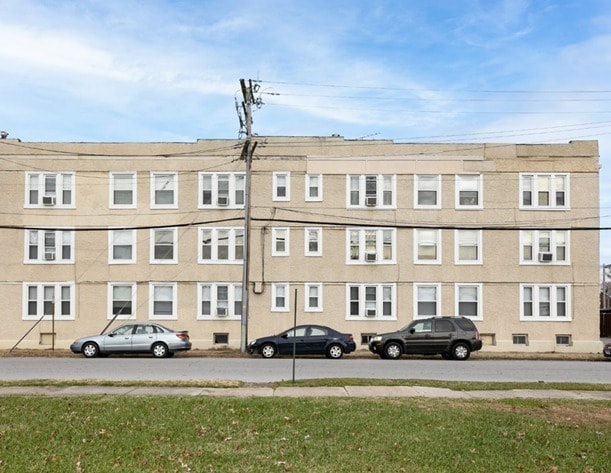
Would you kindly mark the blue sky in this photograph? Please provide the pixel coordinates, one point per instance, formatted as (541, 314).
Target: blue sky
(525, 71)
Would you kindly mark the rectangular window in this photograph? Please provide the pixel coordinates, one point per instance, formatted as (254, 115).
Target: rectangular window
(221, 190)
(426, 299)
(49, 246)
(469, 191)
(520, 339)
(545, 302)
(313, 241)
(370, 246)
(469, 301)
(220, 301)
(313, 187)
(427, 246)
(49, 189)
(371, 301)
(468, 246)
(121, 246)
(163, 245)
(427, 191)
(544, 191)
(313, 297)
(122, 301)
(163, 301)
(48, 300)
(370, 191)
(280, 241)
(164, 190)
(280, 297)
(564, 340)
(544, 247)
(282, 188)
(123, 190)
(221, 245)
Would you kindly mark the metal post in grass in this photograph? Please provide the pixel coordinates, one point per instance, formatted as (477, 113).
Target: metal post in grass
(294, 332)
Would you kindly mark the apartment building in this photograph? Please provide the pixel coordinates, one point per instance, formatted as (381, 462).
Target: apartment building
(360, 235)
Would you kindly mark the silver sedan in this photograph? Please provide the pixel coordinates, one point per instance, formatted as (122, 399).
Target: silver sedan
(156, 339)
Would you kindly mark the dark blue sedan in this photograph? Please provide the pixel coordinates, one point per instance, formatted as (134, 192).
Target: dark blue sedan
(306, 340)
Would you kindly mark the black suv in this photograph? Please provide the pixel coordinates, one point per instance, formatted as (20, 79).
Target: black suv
(451, 337)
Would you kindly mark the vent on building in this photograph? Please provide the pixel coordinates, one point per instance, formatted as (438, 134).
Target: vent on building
(221, 311)
(371, 256)
(48, 200)
(370, 313)
(545, 257)
(370, 201)
(49, 255)
(223, 200)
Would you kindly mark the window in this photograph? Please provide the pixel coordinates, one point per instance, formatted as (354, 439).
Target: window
(468, 246)
(221, 245)
(122, 297)
(49, 246)
(427, 246)
(221, 338)
(163, 245)
(520, 339)
(282, 188)
(280, 242)
(280, 297)
(564, 340)
(49, 189)
(370, 245)
(370, 191)
(469, 301)
(544, 246)
(313, 187)
(163, 301)
(220, 301)
(427, 191)
(48, 301)
(426, 300)
(313, 241)
(469, 191)
(545, 302)
(121, 246)
(164, 187)
(123, 190)
(369, 301)
(313, 297)
(544, 191)
(221, 190)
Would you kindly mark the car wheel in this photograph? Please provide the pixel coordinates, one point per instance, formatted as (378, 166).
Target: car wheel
(335, 351)
(446, 356)
(90, 350)
(393, 351)
(461, 352)
(160, 350)
(268, 350)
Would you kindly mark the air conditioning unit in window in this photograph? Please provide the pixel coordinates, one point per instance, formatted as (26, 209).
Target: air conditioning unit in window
(49, 255)
(370, 313)
(48, 200)
(371, 257)
(221, 311)
(545, 257)
(223, 200)
(370, 201)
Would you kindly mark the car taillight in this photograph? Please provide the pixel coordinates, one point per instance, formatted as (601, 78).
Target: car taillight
(351, 338)
(477, 334)
(183, 336)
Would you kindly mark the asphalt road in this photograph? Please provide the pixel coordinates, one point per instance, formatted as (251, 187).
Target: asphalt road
(259, 370)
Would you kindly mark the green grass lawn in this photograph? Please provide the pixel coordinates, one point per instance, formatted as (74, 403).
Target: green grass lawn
(208, 434)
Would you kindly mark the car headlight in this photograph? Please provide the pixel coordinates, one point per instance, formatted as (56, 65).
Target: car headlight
(377, 338)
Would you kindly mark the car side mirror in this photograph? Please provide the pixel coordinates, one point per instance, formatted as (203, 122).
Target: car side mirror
(111, 335)
(285, 336)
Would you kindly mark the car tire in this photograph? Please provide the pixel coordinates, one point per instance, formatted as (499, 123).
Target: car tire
(90, 350)
(268, 350)
(335, 351)
(392, 351)
(160, 350)
(461, 351)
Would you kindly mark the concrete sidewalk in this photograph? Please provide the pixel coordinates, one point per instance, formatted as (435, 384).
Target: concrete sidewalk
(287, 391)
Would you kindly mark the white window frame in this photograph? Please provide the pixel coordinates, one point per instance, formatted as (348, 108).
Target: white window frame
(153, 234)
(113, 233)
(538, 298)
(216, 234)
(277, 176)
(57, 289)
(157, 175)
(306, 241)
(133, 187)
(478, 300)
(275, 293)
(437, 301)
(235, 193)
(469, 183)
(173, 287)
(234, 298)
(384, 304)
(419, 237)
(276, 236)
(65, 182)
(365, 247)
(311, 184)
(307, 287)
(459, 242)
(534, 181)
(419, 186)
(60, 237)
(535, 236)
(382, 182)
(111, 299)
